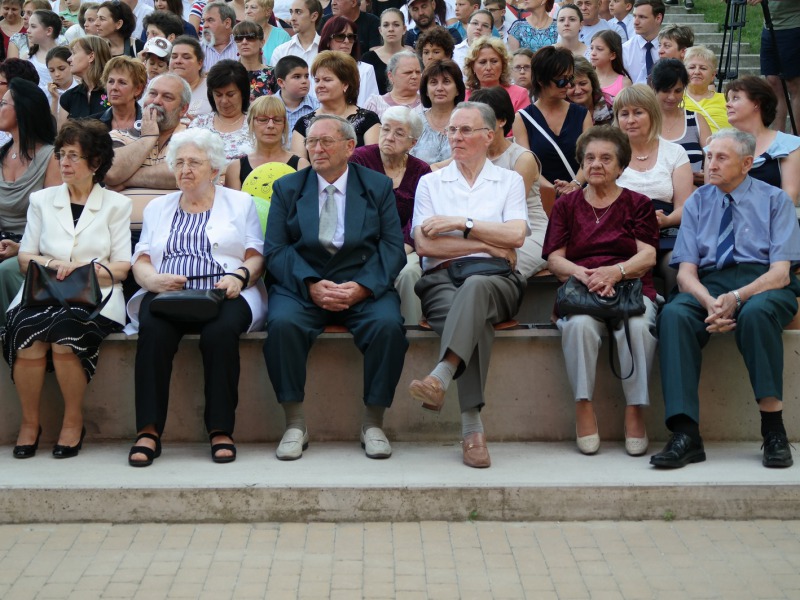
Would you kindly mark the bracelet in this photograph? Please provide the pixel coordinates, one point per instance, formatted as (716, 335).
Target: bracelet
(239, 277)
(738, 299)
(49, 260)
(622, 270)
(246, 275)
(576, 182)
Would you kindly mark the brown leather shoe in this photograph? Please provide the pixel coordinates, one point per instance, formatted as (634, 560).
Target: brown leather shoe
(476, 454)
(429, 391)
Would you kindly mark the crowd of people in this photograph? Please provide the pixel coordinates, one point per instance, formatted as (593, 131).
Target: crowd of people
(419, 152)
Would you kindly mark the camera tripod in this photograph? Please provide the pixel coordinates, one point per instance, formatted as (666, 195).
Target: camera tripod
(735, 19)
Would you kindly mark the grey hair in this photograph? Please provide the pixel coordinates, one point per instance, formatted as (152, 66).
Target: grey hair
(345, 127)
(405, 116)
(394, 61)
(745, 142)
(225, 11)
(204, 140)
(487, 112)
(186, 90)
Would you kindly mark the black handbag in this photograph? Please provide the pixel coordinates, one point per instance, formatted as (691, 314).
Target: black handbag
(79, 289)
(190, 306)
(574, 298)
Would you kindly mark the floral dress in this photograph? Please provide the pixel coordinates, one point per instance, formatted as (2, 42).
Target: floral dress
(262, 83)
(530, 37)
(237, 143)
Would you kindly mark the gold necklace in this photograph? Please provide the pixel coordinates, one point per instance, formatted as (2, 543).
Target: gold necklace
(596, 218)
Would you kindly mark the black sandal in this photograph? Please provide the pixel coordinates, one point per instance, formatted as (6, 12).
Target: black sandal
(217, 447)
(148, 452)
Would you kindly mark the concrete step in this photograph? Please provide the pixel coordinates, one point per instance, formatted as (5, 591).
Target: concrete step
(528, 396)
(704, 28)
(714, 41)
(684, 18)
(335, 482)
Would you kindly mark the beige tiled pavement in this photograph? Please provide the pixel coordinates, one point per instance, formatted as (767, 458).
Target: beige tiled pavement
(428, 560)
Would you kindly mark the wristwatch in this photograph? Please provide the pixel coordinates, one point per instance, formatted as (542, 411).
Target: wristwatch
(468, 227)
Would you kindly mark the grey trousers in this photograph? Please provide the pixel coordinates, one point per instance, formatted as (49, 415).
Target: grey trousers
(10, 282)
(404, 284)
(463, 317)
(580, 340)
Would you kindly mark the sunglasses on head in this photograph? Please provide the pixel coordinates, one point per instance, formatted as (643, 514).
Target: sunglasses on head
(245, 36)
(564, 81)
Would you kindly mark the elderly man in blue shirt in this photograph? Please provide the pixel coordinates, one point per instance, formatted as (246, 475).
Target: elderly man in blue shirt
(737, 242)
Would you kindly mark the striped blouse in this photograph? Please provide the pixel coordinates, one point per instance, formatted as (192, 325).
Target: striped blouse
(691, 142)
(188, 251)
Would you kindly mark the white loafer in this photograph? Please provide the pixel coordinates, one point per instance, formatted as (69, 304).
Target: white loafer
(293, 442)
(375, 443)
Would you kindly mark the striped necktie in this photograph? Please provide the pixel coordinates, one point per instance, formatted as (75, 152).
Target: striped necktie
(327, 221)
(725, 238)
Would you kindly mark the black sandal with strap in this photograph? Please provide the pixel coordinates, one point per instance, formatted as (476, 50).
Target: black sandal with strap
(150, 453)
(217, 447)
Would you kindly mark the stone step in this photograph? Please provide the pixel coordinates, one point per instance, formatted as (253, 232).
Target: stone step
(704, 28)
(528, 396)
(714, 41)
(335, 482)
(684, 18)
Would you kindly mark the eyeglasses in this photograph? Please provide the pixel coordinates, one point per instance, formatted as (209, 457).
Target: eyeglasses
(398, 133)
(192, 163)
(265, 120)
(564, 82)
(71, 157)
(521, 68)
(250, 37)
(342, 37)
(466, 130)
(325, 142)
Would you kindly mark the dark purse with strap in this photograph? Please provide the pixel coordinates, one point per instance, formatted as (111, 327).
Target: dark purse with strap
(79, 289)
(574, 298)
(190, 306)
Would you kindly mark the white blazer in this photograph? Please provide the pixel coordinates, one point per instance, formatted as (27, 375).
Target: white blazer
(233, 228)
(103, 232)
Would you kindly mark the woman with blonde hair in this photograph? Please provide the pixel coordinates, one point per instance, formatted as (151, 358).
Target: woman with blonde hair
(269, 129)
(701, 63)
(124, 79)
(488, 64)
(89, 57)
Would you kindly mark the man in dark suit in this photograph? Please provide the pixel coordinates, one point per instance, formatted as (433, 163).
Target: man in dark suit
(333, 249)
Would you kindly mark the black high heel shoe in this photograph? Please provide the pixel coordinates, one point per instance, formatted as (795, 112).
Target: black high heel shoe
(60, 451)
(28, 450)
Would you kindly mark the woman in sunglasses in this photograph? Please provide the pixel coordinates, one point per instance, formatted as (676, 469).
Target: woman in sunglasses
(550, 127)
(340, 33)
(268, 126)
(249, 38)
(229, 96)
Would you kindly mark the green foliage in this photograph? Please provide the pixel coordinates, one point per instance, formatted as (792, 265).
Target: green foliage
(714, 11)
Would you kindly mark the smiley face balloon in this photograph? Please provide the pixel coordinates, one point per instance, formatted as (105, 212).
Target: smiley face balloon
(259, 185)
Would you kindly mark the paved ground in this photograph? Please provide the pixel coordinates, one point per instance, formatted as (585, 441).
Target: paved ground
(651, 559)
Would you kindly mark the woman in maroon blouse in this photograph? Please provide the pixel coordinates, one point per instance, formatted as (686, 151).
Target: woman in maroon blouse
(602, 234)
(400, 130)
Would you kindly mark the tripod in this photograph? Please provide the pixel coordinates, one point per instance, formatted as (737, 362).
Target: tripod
(735, 19)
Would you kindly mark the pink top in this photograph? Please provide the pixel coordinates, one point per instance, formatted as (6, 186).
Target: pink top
(610, 92)
(519, 96)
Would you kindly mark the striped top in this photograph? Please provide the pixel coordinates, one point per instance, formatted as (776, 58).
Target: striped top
(691, 142)
(188, 251)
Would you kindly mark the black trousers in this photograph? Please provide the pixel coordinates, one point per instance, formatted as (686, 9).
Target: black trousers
(219, 345)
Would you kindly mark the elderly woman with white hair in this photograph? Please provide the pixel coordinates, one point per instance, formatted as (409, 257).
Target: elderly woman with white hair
(202, 237)
(400, 130)
(404, 73)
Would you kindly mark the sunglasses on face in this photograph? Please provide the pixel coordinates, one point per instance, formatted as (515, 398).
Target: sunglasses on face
(342, 37)
(250, 37)
(564, 82)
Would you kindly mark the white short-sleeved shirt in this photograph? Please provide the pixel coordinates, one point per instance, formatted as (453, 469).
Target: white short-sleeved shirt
(656, 183)
(498, 195)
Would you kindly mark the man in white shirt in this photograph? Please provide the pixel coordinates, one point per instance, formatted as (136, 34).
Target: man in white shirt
(470, 209)
(304, 15)
(592, 23)
(218, 21)
(640, 53)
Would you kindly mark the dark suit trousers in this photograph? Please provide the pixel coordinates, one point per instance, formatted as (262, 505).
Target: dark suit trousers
(759, 327)
(377, 329)
(219, 345)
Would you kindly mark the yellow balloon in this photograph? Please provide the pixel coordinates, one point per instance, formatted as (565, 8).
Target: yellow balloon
(259, 185)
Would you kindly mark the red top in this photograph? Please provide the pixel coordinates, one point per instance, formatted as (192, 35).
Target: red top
(573, 225)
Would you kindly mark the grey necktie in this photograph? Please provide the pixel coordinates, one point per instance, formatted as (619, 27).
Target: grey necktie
(327, 221)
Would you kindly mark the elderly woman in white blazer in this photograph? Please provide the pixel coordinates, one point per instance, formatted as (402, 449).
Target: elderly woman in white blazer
(202, 230)
(67, 227)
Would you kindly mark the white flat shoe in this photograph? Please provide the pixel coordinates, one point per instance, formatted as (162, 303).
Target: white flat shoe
(375, 443)
(293, 442)
(636, 446)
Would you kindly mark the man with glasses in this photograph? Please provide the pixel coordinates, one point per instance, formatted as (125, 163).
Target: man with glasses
(333, 249)
(464, 214)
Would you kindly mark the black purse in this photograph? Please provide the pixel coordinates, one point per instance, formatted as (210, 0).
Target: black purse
(190, 306)
(574, 298)
(79, 289)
